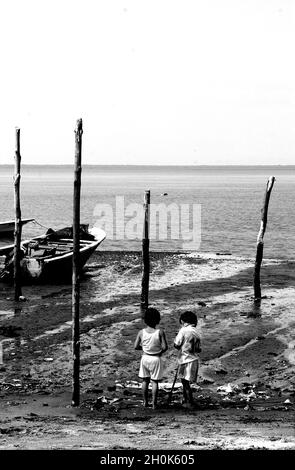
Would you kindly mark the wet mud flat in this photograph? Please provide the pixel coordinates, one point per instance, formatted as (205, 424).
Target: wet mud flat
(246, 390)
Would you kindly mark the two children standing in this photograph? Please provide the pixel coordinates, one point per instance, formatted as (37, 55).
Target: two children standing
(152, 341)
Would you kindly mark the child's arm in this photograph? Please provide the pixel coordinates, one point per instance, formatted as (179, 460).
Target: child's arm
(164, 344)
(195, 345)
(198, 346)
(178, 340)
(137, 343)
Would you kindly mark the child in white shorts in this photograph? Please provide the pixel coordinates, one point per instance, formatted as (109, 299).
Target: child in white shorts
(188, 343)
(152, 341)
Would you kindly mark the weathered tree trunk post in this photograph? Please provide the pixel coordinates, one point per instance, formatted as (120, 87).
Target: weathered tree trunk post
(260, 242)
(18, 225)
(76, 266)
(145, 254)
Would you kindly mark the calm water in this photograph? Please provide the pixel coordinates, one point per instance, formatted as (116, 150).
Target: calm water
(230, 198)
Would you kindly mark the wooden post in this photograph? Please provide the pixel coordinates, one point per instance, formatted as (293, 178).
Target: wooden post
(76, 266)
(145, 254)
(260, 242)
(18, 225)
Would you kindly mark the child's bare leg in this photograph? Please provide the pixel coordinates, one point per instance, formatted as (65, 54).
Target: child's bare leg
(155, 390)
(187, 392)
(184, 390)
(190, 394)
(145, 391)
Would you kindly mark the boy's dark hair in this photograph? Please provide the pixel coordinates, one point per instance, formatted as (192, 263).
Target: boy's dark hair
(189, 317)
(152, 317)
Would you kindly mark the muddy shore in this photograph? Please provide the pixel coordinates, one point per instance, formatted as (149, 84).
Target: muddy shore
(246, 390)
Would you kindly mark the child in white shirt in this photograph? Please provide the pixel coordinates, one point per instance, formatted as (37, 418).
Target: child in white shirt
(188, 343)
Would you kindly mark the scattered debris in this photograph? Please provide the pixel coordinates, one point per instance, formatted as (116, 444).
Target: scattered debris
(100, 401)
(228, 389)
(115, 400)
(189, 443)
(168, 385)
(118, 385)
(206, 380)
(246, 393)
(132, 384)
(9, 384)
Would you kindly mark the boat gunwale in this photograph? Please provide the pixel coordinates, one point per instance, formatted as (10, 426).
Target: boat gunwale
(13, 221)
(48, 259)
(98, 238)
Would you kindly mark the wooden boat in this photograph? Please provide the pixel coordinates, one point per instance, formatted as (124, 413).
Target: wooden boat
(50, 256)
(7, 227)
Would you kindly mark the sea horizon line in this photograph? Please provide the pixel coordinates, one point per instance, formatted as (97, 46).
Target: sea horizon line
(129, 165)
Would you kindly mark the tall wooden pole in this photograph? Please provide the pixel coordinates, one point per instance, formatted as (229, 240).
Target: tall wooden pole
(18, 225)
(260, 242)
(76, 266)
(145, 254)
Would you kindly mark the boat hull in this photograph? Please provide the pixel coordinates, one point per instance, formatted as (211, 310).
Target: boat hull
(7, 228)
(39, 269)
(59, 268)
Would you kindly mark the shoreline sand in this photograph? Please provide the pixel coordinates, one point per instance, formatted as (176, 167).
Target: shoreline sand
(246, 345)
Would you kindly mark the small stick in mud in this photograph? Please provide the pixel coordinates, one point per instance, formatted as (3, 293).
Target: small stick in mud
(145, 254)
(260, 242)
(173, 385)
(76, 266)
(18, 225)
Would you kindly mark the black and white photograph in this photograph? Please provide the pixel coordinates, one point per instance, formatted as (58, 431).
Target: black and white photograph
(147, 229)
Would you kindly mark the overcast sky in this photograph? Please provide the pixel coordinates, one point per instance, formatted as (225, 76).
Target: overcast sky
(155, 81)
